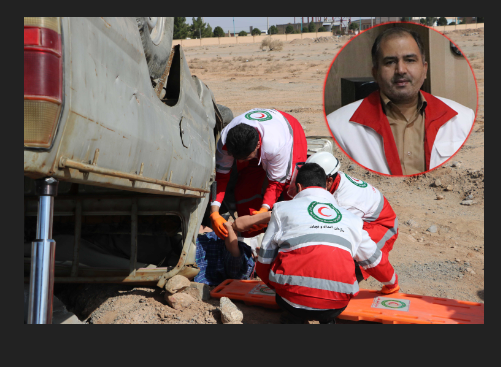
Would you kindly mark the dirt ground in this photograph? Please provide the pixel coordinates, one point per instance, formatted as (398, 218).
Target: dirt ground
(446, 263)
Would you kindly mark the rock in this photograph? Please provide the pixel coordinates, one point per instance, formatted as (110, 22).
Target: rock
(448, 188)
(203, 290)
(440, 197)
(192, 292)
(467, 202)
(351, 167)
(470, 270)
(432, 229)
(178, 301)
(456, 164)
(177, 283)
(412, 223)
(467, 263)
(469, 197)
(230, 314)
(438, 183)
(457, 260)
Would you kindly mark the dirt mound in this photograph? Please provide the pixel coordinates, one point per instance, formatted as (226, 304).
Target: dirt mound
(303, 41)
(325, 39)
(260, 87)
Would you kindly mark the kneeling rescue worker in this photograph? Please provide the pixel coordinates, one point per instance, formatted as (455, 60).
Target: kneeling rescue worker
(308, 250)
(267, 144)
(361, 199)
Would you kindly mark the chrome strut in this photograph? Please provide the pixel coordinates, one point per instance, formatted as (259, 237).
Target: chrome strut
(42, 255)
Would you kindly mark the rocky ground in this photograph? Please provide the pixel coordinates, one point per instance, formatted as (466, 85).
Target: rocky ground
(440, 248)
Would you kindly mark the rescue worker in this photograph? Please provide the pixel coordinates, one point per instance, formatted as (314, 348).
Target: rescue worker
(361, 199)
(267, 144)
(308, 250)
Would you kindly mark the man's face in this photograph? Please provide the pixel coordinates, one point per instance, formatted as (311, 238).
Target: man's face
(252, 155)
(401, 71)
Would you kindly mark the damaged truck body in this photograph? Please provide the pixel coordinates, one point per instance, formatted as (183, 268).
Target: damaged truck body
(114, 117)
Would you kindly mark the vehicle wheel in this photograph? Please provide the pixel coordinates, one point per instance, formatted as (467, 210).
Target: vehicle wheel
(156, 36)
(226, 114)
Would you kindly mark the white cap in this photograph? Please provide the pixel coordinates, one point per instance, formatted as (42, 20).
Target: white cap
(327, 161)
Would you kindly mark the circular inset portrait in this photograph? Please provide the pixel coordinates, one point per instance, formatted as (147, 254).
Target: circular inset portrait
(400, 99)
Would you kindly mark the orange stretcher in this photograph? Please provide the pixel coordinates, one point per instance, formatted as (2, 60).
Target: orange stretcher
(369, 305)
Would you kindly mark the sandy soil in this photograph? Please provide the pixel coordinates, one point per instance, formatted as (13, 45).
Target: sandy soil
(448, 263)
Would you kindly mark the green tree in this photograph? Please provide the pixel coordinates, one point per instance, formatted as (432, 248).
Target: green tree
(199, 29)
(321, 29)
(442, 21)
(311, 27)
(463, 21)
(289, 29)
(242, 33)
(256, 32)
(305, 30)
(354, 26)
(273, 30)
(430, 21)
(218, 32)
(207, 32)
(452, 23)
(296, 31)
(405, 19)
(480, 19)
(422, 20)
(181, 29)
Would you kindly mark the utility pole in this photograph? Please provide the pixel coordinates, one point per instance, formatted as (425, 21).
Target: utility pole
(267, 25)
(234, 35)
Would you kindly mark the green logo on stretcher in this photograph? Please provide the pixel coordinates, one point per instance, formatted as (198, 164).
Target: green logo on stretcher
(258, 116)
(356, 181)
(324, 212)
(393, 303)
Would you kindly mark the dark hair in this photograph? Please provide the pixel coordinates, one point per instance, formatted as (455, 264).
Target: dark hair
(241, 141)
(311, 174)
(395, 31)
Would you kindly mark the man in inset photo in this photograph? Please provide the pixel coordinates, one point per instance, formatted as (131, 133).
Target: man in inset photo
(400, 129)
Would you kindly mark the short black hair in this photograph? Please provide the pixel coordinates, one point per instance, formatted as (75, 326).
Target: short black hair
(241, 141)
(395, 31)
(311, 174)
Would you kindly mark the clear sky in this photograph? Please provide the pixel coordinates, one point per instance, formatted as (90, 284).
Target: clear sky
(243, 23)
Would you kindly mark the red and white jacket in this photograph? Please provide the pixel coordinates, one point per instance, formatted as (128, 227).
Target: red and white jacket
(363, 132)
(276, 134)
(308, 250)
(366, 202)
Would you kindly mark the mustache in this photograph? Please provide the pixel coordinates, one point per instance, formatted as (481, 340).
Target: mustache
(400, 79)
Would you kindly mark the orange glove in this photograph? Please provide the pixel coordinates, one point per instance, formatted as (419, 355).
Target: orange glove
(262, 210)
(218, 225)
(387, 290)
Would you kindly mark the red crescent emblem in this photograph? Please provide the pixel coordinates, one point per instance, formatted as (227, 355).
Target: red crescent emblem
(262, 116)
(320, 211)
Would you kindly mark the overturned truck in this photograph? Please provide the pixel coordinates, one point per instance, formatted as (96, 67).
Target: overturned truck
(119, 147)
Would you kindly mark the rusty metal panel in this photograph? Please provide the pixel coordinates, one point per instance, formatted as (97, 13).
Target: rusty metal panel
(111, 106)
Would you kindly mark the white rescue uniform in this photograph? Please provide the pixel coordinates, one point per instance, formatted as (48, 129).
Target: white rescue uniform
(365, 145)
(276, 145)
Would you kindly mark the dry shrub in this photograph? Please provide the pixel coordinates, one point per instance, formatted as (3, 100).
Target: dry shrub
(271, 44)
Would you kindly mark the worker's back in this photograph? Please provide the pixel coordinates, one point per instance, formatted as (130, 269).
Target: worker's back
(316, 240)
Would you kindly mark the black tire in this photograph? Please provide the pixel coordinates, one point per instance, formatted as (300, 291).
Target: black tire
(156, 55)
(226, 114)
